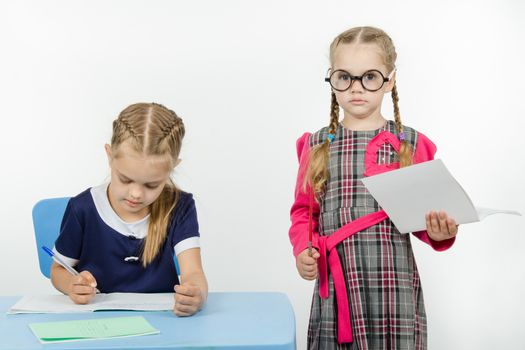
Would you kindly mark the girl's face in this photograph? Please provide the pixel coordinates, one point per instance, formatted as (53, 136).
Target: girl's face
(136, 181)
(356, 59)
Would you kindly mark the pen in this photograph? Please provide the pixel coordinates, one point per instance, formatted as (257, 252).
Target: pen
(310, 230)
(60, 261)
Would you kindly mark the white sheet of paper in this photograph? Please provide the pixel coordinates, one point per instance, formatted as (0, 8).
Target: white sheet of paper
(102, 301)
(407, 194)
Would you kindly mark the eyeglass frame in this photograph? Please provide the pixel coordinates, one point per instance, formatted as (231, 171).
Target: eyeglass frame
(360, 78)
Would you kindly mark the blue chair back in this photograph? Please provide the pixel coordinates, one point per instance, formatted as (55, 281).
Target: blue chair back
(47, 219)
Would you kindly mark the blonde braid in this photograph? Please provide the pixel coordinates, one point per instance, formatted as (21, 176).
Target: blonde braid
(334, 114)
(171, 132)
(318, 173)
(175, 130)
(405, 150)
(128, 127)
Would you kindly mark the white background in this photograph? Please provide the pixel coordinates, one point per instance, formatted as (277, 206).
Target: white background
(247, 78)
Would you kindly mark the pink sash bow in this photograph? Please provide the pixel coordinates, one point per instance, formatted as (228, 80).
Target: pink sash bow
(329, 261)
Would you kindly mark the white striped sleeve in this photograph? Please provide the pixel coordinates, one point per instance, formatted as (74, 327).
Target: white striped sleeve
(70, 261)
(188, 243)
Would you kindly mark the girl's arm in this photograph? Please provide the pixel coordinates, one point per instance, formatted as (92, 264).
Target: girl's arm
(299, 213)
(441, 230)
(81, 289)
(305, 261)
(191, 294)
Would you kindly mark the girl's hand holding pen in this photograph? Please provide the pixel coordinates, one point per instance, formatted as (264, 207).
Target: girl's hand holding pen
(82, 287)
(188, 299)
(307, 264)
(440, 226)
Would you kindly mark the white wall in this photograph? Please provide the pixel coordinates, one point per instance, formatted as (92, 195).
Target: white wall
(247, 78)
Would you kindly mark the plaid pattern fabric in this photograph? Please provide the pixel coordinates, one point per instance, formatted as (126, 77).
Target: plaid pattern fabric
(385, 297)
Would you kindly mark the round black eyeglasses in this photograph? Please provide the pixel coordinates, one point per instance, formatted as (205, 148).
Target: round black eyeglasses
(372, 80)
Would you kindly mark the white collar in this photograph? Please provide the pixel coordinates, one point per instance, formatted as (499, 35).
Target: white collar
(138, 229)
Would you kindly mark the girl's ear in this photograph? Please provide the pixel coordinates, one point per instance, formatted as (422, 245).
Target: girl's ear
(108, 153)
(390, 84)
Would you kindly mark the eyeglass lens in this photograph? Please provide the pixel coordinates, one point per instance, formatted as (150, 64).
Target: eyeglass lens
(371, 80)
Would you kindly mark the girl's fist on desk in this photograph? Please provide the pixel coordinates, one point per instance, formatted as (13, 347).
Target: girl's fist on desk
(188, 299)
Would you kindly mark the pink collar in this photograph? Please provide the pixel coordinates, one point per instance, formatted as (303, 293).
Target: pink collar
(371, 166)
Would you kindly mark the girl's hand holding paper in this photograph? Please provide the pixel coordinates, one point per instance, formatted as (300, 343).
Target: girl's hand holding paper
(440, 226)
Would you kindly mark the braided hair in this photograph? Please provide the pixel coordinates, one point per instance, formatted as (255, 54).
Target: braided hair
(152, 129)
(317, 172)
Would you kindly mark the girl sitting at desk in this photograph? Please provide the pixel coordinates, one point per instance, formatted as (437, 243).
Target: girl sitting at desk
(122, 235)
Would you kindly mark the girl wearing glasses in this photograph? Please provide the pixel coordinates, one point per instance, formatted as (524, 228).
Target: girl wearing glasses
(367, 294)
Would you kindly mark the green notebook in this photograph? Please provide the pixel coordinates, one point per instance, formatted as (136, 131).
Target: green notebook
(101, 328)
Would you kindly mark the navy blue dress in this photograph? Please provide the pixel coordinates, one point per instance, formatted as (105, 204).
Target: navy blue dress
(89, 242)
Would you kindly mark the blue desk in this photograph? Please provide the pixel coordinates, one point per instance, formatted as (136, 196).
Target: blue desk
(253, 321)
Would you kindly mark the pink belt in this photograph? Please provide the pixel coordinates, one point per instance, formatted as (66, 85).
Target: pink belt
(327, 245)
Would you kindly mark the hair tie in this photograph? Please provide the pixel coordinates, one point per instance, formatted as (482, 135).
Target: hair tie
(402, 136)
(330, 137)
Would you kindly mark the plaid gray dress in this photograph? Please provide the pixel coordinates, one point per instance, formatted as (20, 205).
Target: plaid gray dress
(384, 289)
